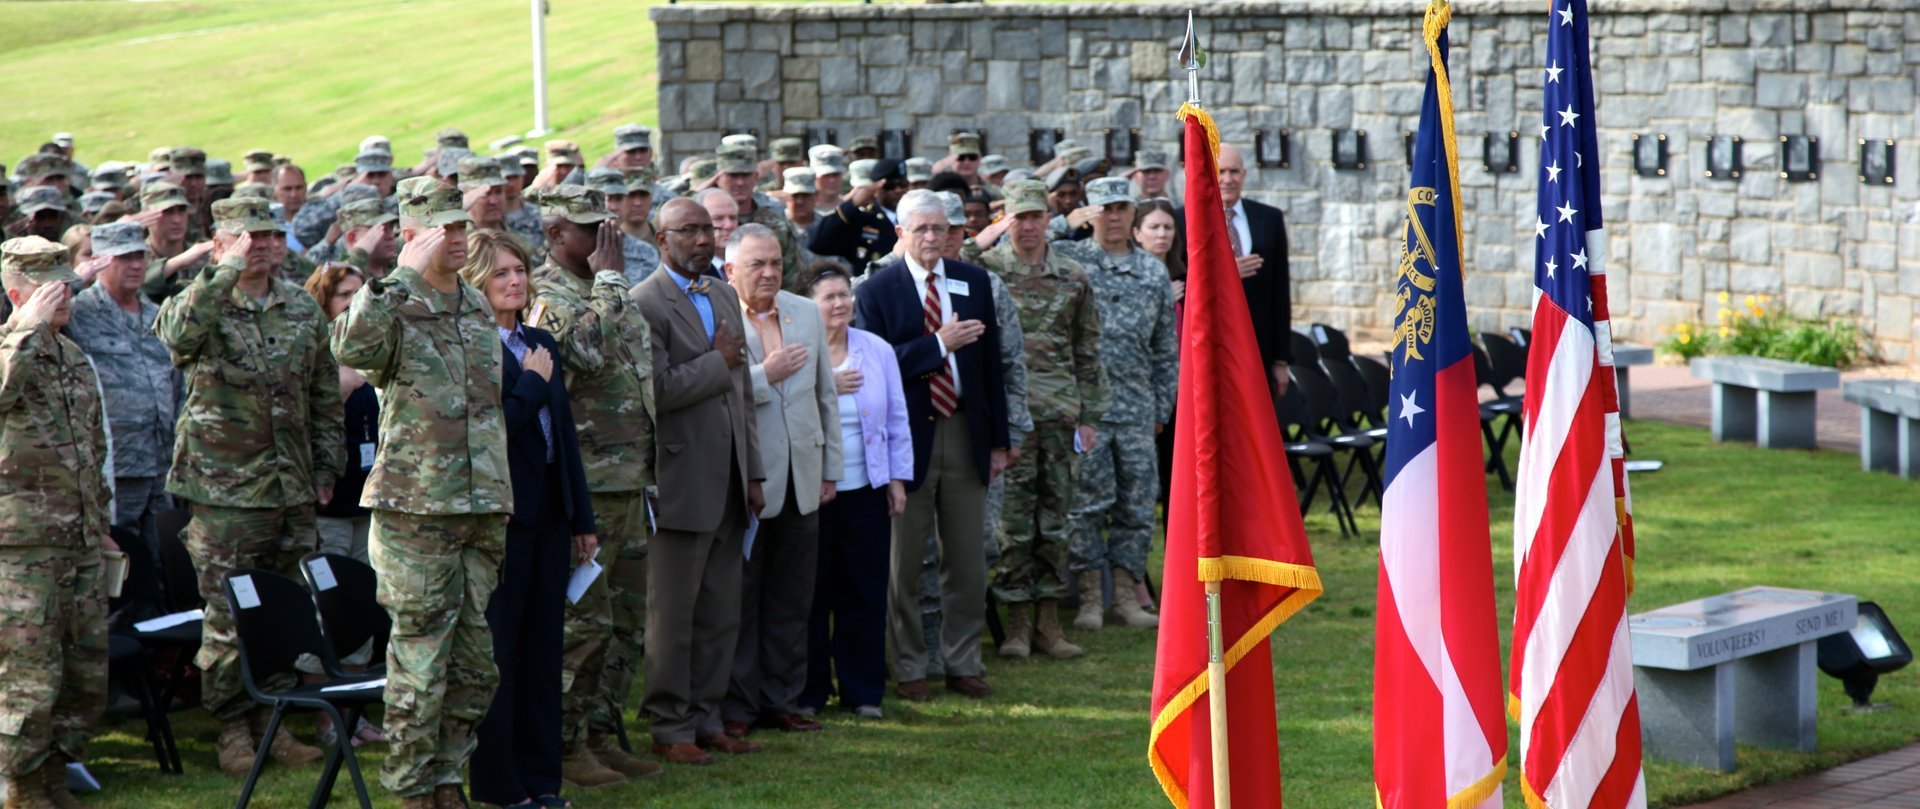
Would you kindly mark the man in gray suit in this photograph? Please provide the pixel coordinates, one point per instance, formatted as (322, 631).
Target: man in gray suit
(708, 468)
(798, 413)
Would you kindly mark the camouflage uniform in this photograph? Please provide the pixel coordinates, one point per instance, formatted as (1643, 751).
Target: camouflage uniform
(55, 505)
(439, 491)
(642, 258)
(159, 286)
(524, 222)
(1119, 478)
(1066, 387)
(607, 351)
(261, 430)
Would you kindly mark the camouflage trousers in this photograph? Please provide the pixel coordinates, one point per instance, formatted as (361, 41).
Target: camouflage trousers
(53, 654)
(1033, 521)
(436, 575)
(221, 538)
(1119, 486)
(607, 629)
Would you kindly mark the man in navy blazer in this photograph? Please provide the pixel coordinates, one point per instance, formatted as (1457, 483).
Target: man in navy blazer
(1259, 234)
(957, 406)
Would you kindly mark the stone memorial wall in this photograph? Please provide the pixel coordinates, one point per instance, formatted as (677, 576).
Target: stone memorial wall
(1838, 71)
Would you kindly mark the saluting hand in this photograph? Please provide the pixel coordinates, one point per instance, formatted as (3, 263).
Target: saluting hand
(41, 305)
(422, 252)
(607, 254)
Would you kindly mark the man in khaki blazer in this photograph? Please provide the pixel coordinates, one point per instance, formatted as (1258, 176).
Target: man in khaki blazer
(708, 463)
(798, 413)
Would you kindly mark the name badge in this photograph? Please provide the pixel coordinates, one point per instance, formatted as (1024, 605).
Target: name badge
(367, 451)
(956, 287)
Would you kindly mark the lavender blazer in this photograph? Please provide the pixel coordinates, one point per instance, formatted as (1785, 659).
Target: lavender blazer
(883, 409)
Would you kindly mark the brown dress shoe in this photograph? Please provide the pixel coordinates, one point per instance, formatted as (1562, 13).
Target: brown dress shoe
(914, 691)
(789, 722)
(970, 686)
(682, 753)
(727, 744)
(738, 730)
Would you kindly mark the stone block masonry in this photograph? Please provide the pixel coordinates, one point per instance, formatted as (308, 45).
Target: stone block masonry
(1839, 70)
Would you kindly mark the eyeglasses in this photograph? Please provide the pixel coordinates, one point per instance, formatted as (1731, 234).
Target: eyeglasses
(690, 230)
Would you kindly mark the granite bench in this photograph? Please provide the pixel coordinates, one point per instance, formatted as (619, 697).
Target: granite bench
(1767, 401)
(1734, 666)
(1889, 425)
(1625, 357)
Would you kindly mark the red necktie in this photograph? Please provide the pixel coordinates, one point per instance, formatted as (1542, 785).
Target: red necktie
(944, 397)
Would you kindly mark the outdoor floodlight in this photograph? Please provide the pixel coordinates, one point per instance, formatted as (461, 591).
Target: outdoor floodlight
(1858, 658)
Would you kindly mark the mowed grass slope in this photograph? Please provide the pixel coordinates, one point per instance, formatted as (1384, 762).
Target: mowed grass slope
(1718, 518)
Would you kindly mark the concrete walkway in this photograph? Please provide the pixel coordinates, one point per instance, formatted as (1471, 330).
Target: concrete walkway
(1882, 782)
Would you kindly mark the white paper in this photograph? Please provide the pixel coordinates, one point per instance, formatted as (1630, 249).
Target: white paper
(1643, 466)
(1078, 448)
(583, 577)
(366, 686)
(958, 287)
(78, 779)
(243, 592)
(322, 575)
(652, 527)
(367, 452)
(746, 542)
(170, 621)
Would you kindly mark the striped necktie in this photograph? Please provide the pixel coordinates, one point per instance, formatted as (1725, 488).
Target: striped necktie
(945, 399)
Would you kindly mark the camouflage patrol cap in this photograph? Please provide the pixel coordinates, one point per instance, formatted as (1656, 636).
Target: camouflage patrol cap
(863, 142)
(257, 160)
(157, 158)
(735, 159)
(956, 207)
(799, 180)
(243, 215)
(364, 213)
(993, 164)
(65, 139)
(788, 150)
(345, 171)
(477, 172)
(356, 191)
(261, 190)
(827, 159)
(109, 179)
(187, 161)
(451, 138)
(373, 161)
(743, 139)
(1069, 152)
(577, 204)
(92, 201)
(42, 166)
(629, 137)
(33, 260)
(919, 169)
(161, 196)
(609, 182)
(961, 144)
(1109, 190)
(1026, 196)
(1150, 157)
(447, 163)
(425, 199)
(640, 179)
(528, 156)
(562, 152)
(119, 238)
(219, 172)
(40, 198)
(510, 166)
(702, 169)
(376, 143)
(860, 173)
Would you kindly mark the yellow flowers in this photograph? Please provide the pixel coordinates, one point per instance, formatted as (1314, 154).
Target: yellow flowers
(1723, 297)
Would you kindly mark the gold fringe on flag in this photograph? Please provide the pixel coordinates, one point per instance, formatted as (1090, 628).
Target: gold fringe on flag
(1190, 109)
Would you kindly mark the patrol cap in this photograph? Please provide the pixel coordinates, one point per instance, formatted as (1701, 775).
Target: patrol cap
(640, 179)
(243, 215)
(364, 213)
(161, 196)
(918, 169)
(860, 173)
(961, 144)
(742, 139)
(40, 198)
(157, 158)
(1026, 196)
(33, 260)
(219, 172)
(1061, 176)
(799, 180)
(702, 169)
(376, 143)
(510, 166)
(789, 150)
(528, 156)
(863, 142)
(261, 190)
(562, 152)
(41, 166)
(628, 137)
(478, 172)
(451, 138)
(609, 182)
(257, 160)
(355, 191)
(993, 164)
(956, 207)
(65, 139)
(109, 179)
(434, 204)
(373, 161)
(826, 159)
(187, 161)
(1070, 153)
(92, 201)
(1092, 165)
(1150, 157)
(1109, 190)
(447, 163)
(1015, 176)
(735, 159)
(575, 203)
(120, 238)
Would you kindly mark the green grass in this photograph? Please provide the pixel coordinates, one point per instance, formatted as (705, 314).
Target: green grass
(1719, 517)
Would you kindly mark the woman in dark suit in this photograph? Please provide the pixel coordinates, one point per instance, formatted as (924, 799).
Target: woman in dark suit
(517, 762)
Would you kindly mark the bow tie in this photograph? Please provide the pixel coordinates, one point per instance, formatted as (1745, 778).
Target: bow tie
(699, 286)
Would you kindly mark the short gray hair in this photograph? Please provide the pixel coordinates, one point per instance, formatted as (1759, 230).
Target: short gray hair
(923, 202)
(749, 230)
(707, 194)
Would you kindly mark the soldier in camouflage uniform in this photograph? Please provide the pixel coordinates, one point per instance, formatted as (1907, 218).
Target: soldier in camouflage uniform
(1119, 478)
(523, 217)
(439, 490)
(335, 246)
(173, 259)
(643, 193)
(187, 168)
(55, 506)
(583, 300)
(368, 231)
(638, 259)
(259, 442)
(371, 168)
(737, 168)
(1067, 394)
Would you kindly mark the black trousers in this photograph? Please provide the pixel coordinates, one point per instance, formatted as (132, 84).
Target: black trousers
(847, 633)
(518, 753)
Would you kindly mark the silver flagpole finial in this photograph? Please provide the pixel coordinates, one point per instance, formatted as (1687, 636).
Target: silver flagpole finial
(1192, 58)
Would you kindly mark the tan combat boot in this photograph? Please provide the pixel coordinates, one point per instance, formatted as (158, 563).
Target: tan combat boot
(55, 781)
(236, 748)
(580, 769)
(608, 752)
(1019, 641)
(447, 796)
(419, 802)
(29, 791)
(1126, 602)
(293, 752)
(1051, 640)
(1091, 615)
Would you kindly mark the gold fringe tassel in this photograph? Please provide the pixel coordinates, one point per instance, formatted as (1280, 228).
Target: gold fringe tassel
(1189, 109)
(1480, 790)
(1247, 568)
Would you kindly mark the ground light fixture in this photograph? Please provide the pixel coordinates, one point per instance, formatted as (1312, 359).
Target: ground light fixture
(1858, 658)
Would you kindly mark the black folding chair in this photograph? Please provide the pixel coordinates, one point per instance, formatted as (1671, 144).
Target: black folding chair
(1354, 414)
(1301, 447)
(129, 665)
(1503, 408)
(1305, 352)
(1523, 337)
(274, 619)
(1508, 358)
(1326, 425)
(345, 594)
(1332, 343)
(1379, 385)
(180, 586)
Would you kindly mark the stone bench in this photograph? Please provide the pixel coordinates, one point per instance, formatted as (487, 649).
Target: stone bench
(1889, 425)
(1624, 357)
(1767, 401)
(1734, 666)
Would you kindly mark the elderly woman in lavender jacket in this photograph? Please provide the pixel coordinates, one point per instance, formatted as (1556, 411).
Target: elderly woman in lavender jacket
(847, 633)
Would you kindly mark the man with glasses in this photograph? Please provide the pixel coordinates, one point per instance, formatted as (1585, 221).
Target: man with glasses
(862, 230)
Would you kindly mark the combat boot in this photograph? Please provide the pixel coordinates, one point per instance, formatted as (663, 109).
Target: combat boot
(581, 770)
(606, 751)
(1091, 616)
(293, 752)
(1019, 641)
(419, 802)
(55, 781)
(236, 748)
(448, 796)
(29, 791)
(1126, 602)
(1051, 640)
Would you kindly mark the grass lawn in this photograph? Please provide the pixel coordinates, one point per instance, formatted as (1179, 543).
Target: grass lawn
(1719, 517)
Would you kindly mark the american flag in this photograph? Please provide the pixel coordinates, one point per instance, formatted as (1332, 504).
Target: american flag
(1572, 668)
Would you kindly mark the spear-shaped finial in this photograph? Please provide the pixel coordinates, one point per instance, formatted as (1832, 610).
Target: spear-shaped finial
(1192, 58)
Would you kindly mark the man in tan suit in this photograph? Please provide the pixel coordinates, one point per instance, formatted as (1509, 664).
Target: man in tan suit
(708, 468)
(798, 412)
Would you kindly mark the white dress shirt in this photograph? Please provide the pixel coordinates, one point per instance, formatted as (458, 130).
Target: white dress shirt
(1239, 223)
(946, 307)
